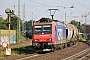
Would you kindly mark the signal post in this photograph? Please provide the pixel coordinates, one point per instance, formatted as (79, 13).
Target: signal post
(6, 45)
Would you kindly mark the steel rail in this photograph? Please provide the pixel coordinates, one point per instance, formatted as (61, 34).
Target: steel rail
(77, 55)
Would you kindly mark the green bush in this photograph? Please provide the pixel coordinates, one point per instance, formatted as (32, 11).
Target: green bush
(81, 38)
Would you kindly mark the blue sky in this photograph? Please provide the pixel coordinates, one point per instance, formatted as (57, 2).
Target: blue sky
(39, 9)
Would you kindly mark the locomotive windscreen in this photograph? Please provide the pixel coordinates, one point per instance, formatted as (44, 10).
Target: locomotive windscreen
(43, 29)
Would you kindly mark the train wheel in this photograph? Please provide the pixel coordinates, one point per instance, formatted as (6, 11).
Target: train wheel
(52, 49)
(65, 45)
(74, 42)
(68, 44)
(61, 47)
(71, 43)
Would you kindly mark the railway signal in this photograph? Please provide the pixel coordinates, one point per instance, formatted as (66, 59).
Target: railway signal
(10, 13)
(78, 23)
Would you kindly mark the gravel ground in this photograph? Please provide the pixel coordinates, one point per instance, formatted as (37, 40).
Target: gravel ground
(60, 54)
(57, 55)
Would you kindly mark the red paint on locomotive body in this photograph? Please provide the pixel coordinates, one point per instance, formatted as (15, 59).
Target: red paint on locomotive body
(44, 37)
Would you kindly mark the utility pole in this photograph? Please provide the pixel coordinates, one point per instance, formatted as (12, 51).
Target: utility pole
(85, 25)
(23, 12)
(82, 19)
(32, 18)
(18, 8)
(18, 23)
(85, 19)
(65, 12)
(65, 17)
(85, 15)
(23, 18)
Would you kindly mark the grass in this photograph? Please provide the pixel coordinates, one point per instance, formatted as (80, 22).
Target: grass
(18, 49)
(2, 52)
(82, 38)
(23, 50)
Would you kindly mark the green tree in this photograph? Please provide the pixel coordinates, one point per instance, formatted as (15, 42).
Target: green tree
(3, 24)
(82, 28)
(14, 22)
(74, 23)
(14, 25)
(78, 25)
(28, 25)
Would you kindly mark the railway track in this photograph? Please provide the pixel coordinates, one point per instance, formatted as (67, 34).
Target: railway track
(57, 55)
(79, 56)
(29, 56)
(46, 56)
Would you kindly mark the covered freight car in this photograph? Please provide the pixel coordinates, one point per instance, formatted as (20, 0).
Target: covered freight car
(71, 32)
(51, 34)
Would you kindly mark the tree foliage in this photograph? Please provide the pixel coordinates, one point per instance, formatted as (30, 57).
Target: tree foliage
(27, 25)
(74, 23)
(3, 24)
(78, 25)
(14, 22)
(82, 28)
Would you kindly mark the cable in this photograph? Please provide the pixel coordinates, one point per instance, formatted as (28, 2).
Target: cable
(28, 6)
(82, 5)
(63, 3)
(38, 3)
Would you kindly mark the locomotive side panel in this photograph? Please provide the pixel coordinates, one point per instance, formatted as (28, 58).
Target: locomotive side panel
(60, 34)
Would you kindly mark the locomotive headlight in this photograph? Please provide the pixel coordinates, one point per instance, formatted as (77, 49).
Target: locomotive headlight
(49, 40)
(49, 43)
(36, 40)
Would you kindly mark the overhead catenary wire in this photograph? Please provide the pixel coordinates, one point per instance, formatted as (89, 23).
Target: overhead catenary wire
(63, 3)
(38, 3)
(82, 5)
(25, 6)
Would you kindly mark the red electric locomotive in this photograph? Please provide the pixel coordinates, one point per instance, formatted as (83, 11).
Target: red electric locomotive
(50, 34)
(43, 34)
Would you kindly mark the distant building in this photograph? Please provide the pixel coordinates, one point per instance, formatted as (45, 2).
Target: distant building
(87, 30)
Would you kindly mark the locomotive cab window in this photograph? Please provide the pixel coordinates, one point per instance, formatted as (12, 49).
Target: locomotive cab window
(43, 29)
(37, 29)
